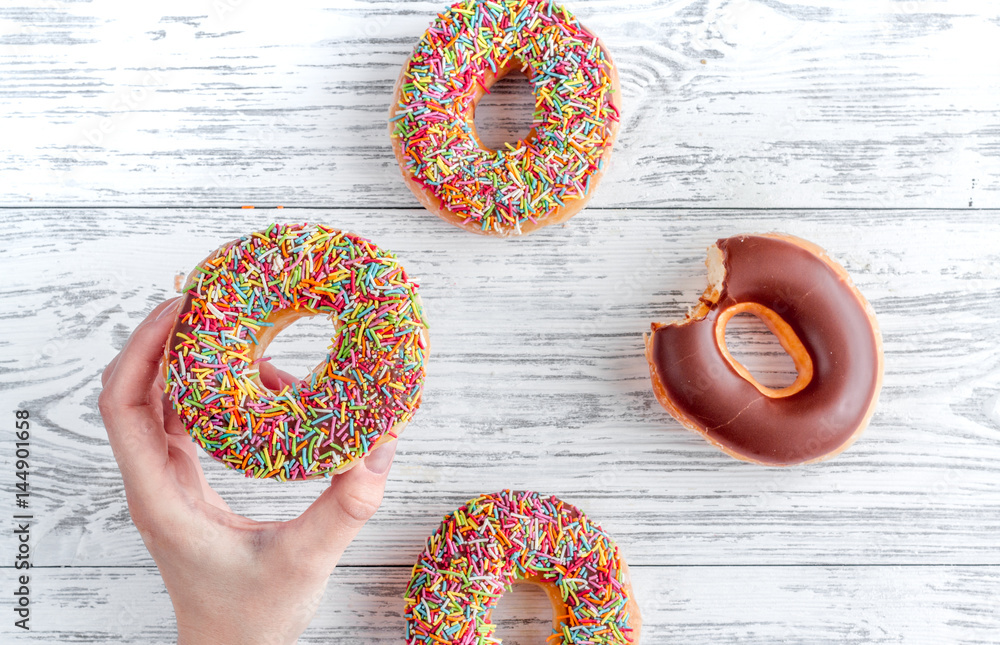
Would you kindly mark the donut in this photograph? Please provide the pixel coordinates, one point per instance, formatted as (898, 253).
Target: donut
(241, 297)
(510, 537)
(547, 177)
(809, 303)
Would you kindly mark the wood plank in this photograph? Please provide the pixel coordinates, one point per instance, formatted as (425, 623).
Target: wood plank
(727, 102)
(537, 381)
(794, 605)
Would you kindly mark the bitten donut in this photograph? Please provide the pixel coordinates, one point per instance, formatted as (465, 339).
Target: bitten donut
(241, 297)
(821, 320)
(543, 179)
(496, 540)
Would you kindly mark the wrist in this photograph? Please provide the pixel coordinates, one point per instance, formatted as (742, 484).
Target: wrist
(228, 621)
(216, 634)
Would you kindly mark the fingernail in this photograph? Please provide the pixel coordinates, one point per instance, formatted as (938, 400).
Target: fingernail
(379, 460)
(169, 309)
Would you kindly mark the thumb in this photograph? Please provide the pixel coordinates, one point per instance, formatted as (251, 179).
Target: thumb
(274, 379)
(334, 519)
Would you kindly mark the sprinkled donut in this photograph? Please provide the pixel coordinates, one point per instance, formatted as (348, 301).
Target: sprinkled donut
(496, 540)
(824, 323)
(241, 297)
(543, 179)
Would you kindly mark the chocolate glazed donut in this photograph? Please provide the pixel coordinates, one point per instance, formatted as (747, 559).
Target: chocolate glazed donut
(809, 302)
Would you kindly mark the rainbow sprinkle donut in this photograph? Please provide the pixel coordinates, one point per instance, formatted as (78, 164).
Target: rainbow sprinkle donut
(547, 177)
(508, 537)
(238, 300)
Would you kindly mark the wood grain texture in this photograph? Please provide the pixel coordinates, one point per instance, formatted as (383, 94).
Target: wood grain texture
(537, 380)
(752, 605)
(130, 134)
(744, 103)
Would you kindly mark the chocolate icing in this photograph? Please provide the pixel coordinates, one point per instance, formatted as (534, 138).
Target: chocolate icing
(832, 323)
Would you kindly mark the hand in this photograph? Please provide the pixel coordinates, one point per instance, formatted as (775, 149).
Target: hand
(231, 579)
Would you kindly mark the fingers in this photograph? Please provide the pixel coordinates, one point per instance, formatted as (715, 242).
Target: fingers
(274, 379)
(178, 437)
(326, 528)
(211, 496)
(153, 315)
(135, 428)
(135, 367)
(171, 422)
(182, 446)
(186, 469)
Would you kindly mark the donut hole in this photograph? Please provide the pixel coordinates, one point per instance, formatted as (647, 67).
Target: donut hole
(523, 615)
(506, 113)
(757, 348)
(301, 346)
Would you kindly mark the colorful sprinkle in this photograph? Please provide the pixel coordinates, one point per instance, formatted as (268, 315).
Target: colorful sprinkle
(494, 540)
(370, 384)
(575, 117)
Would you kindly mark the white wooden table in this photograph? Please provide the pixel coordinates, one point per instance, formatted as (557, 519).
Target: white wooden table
(132, 133)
